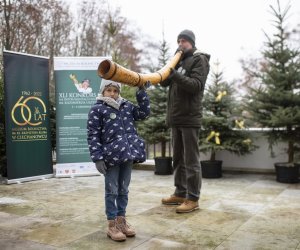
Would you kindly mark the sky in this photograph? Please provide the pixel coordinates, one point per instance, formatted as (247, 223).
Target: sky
(228, 30)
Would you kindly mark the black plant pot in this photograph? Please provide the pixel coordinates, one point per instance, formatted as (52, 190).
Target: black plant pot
(286, 173)
(211, 169)
(163, 165)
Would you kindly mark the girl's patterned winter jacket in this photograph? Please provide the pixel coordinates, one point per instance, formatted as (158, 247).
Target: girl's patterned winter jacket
(112, 135)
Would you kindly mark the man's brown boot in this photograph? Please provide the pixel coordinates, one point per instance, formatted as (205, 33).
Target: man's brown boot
(113, 232)
(124, 226)
(187, 206)
(173, 200)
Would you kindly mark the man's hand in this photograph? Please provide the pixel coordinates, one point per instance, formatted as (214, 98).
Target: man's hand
(101, 167)
(173, 72)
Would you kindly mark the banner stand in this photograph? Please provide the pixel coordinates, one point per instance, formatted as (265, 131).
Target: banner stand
(33, 178)
(27, 117)
(76, 88)
(75, 169)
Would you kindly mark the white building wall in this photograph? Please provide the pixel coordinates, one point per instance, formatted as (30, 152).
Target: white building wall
(258, 161)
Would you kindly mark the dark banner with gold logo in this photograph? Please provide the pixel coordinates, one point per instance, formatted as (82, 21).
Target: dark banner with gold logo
(28, 137)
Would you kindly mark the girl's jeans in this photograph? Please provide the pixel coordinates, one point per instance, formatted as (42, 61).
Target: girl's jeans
(117, 180)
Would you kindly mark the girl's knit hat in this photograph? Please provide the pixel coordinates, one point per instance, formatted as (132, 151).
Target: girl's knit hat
(108, 83)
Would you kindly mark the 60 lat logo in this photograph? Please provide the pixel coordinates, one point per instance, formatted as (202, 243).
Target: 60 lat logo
(28, 117)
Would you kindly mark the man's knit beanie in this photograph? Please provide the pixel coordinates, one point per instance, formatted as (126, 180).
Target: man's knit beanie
(187, 35)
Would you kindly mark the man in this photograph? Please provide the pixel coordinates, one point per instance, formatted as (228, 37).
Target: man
(186, 86)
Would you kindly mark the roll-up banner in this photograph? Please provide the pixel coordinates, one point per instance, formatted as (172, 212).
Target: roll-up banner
(77, 85)
(28, 136)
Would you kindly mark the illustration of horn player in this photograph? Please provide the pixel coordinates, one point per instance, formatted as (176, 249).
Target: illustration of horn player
(83, 87)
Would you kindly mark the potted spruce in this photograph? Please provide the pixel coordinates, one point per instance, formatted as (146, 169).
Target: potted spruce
(221, 128)
(274, 95)
(154, 129)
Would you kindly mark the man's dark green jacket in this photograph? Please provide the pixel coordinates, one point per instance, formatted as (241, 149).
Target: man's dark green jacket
(186, 86)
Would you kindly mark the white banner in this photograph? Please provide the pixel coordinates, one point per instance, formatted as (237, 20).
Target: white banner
(77, 86)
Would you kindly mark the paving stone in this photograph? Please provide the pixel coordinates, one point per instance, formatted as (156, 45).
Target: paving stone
(237, 211)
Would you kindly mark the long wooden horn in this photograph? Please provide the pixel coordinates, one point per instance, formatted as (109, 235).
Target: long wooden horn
(110, 70)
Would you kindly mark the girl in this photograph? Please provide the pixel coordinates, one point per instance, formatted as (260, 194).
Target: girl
(114, 146)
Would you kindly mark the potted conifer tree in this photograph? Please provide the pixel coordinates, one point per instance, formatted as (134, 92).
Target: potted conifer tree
(154, 129)
(221, 128)
(274, 96)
